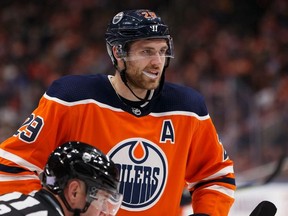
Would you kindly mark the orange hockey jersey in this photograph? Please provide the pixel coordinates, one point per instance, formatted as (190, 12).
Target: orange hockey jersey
(158, 148)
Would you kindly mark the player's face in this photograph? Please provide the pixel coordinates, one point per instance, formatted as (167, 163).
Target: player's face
(92, 211)
(103, 203)
(145, 63)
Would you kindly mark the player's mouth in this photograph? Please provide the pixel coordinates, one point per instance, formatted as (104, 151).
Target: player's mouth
(151, 74)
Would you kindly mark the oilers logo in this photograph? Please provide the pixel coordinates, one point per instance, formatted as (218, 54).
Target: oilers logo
(143, 172)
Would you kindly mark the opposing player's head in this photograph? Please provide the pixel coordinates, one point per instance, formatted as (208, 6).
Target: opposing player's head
(80, 161)
(132, 25)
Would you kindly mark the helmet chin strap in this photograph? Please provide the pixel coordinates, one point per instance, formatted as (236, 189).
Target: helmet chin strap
(76, 212)
(124, 80)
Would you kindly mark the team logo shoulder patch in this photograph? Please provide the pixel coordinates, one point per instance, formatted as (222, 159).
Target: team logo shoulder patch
(143, 172)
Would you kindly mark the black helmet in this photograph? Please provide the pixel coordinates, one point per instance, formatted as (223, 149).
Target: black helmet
(131, 25)
(82, 161)
(77, 160)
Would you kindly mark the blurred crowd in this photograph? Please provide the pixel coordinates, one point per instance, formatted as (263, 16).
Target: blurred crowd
(234, 52)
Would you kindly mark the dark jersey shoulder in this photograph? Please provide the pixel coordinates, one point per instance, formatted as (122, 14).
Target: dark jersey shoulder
(97, 87)
(177, 97)
(73, 88)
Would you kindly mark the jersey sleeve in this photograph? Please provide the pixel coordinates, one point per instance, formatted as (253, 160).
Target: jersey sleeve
(58, 118)
(23, 155)
(19, 204)
(210, 174)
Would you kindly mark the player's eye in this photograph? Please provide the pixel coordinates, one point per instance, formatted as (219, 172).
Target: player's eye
(147, 52)
(162, 52)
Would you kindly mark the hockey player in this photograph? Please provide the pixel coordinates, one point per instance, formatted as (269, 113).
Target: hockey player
(78, 179)
(159, 134)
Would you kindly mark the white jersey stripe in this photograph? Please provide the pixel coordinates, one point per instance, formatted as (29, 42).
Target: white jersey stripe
(20, 161)
(10, 196)
(28, 202)
(222, 190)
(87, 101)
(222, 172)
(39, 213)
(4, 178)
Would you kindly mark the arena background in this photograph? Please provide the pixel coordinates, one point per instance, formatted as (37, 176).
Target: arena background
(234, 52)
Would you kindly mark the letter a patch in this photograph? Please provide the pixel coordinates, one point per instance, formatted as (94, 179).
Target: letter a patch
(167, 132)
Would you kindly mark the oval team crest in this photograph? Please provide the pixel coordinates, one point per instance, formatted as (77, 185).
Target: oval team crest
(142, 180)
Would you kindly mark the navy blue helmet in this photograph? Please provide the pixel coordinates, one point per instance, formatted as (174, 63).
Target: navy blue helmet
(132, 25)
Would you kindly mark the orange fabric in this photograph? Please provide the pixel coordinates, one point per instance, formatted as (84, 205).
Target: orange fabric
(211, 202)
(111, 131)
(24, 186)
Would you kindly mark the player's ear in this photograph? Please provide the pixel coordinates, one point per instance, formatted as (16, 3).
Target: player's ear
(72, 189)
(73, 192)
(117, 52)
